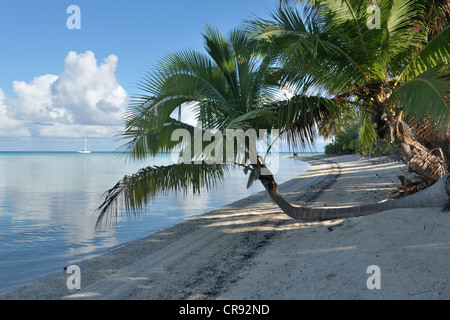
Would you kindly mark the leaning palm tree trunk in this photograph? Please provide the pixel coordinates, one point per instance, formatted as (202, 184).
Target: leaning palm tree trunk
(438, 195)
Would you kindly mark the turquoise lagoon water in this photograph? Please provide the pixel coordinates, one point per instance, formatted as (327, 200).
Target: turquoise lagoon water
(47, 204)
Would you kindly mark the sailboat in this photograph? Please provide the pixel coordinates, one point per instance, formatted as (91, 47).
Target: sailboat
(85, 150)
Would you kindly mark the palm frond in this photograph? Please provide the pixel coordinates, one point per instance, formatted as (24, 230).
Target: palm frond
(310, 52)
(367, 135)
(433, 52)
(133, 193)
(398, 32)
(258, 118)
(299, 117)
(146, 141)
(424, 95)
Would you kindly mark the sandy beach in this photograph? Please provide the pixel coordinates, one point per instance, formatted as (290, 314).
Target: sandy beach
(251, 250)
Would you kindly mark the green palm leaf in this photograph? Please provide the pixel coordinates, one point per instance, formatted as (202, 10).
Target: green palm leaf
(423, 96)
(300, 116)
(434, 52)
(311, 53)
(134, 192)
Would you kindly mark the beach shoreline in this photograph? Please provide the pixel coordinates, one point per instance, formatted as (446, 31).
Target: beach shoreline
(250, 250)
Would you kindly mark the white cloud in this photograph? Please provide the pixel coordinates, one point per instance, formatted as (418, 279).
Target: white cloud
(10, 127)
(34, 100)
(90, 92)
(84, 98)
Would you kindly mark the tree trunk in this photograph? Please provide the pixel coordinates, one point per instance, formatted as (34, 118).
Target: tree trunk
(430, 163)
(438, 195)
(431, 136)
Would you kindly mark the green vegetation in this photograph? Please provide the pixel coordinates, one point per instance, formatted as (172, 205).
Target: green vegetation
(395, 75)
(348, 142)
(343, 142)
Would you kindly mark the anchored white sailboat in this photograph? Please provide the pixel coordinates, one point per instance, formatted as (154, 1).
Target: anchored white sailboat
(85, 150)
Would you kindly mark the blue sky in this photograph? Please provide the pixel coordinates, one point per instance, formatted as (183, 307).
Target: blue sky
(57, 84)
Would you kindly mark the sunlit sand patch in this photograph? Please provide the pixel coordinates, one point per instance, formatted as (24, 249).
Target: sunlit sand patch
(83, 295)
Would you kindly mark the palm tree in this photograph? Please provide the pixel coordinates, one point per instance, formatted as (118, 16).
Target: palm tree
(396, 73)
(235, 85)
(228, 89)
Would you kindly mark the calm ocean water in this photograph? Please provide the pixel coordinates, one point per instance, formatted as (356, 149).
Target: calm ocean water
(47, 202)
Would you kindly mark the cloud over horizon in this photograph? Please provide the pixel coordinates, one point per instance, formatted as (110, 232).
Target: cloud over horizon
(84, 99)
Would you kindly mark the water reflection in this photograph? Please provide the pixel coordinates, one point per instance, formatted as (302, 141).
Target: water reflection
(47, 202)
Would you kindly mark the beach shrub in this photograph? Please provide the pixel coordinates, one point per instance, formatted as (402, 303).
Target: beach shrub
(343, 142)
(360, 140)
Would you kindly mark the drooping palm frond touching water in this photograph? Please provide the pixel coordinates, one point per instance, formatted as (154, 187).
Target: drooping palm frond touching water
(234, 85)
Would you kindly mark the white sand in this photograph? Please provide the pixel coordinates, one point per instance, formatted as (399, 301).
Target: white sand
(250, 250)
